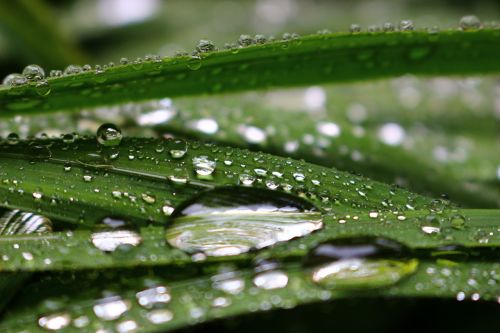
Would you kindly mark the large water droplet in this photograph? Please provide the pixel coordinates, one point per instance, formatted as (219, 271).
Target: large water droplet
(150, 297)
(34, 72)
(470, 22)
(110, 240)
(233, 220)
(203, 166)
(109, 135)
(356, 263)
(177, 148)
(19, 222)
(111, 308)
(54, 322)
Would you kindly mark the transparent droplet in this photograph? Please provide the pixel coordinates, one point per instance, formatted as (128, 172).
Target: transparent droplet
(14, 80)
(203, 166)
(359, 263)
(19, 222)
(229, 282)
(205, 45)
(72, 69)
(110, 240)
(12, 138)
(232, 220)
(194, 63)
(355, 28)
(150, 297)
(271, 280)
(406, 25)
(34, 73)
(54, 322)
(109, 135)
(42, 88)
(160, 316)
(470, 22)
(245, 40)
(457, 222)
(431, 225)
(111, 308)
(177, 148)
(127, 326)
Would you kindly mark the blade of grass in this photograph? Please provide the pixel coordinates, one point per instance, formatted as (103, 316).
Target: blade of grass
(305, 60)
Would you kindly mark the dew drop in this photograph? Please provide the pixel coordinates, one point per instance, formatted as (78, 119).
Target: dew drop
(233, 220)
(150, 297)
(203, 166)
(355, 263)
(160, 316)
(14, 79)
(54, 322)
(34, 73)
(19, 222)
(205, 46)
(469, 22)
(108, 135)
(42, 88)
(271, 280)
(430, 225)
(12, 138)
(111, 308)
(194, 63)
(406, 25)
(177, 148)
(72, 69)
(110, 240)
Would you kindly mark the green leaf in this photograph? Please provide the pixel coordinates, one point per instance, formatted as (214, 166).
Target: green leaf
(300, 61)
(78, 300)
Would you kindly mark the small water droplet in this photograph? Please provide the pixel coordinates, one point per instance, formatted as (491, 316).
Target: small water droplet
(72, 69)
(42, 88)
(194, 63)
(12, 138)
(269, 280)
(205, 45)
(54, 322)
(457, 222)
(150, 297)
(406, 25)
(159, 316)
(111, 308)
(431, 225)
(203, 166)
(108, 135)
(177, 148)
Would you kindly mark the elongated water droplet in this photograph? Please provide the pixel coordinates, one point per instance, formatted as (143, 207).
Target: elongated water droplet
(160, 316)
(19, 222)
(232, 220)
(110, 240)
(54, 322)
(109, 135)
(357, 263)
(150, 297)
(111, 308)
(271, 280)
(14, 79)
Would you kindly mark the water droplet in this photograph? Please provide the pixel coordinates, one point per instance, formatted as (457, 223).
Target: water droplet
(148, 198)
(355, 28)
(109, 135)
(355, 264)
(177, 148)
(232, 220)
(34, 73)
(150, 297)
(72, 69)
(431, 225)
(406, 25)
(19, 222)
(110, 240)
(246, 179)
(457, 222)
(127, 326)
(68, 138)
(271, 280)
(470, 22)
(42, 88)
(194, 63)
(203, 166)
(160, 316)
(245, 40)
(229, 282)
(12, 138)
(14, 79)
(54, 322)
(111, 308)
(205, 45)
